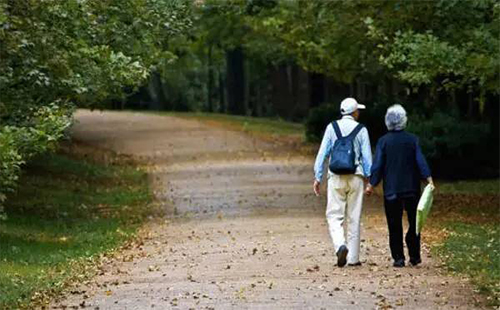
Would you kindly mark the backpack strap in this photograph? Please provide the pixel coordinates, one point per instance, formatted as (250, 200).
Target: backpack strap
(337, 129)
(355, 131)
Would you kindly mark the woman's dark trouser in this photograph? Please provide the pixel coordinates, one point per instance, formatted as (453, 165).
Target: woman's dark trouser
(394, 213)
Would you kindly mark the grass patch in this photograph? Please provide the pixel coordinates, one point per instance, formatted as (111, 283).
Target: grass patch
(66, 212)
(465, 220)
(474, 250)
(256, 125)
(471, 187)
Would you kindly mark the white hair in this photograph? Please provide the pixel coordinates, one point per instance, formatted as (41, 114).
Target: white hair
(395, 118)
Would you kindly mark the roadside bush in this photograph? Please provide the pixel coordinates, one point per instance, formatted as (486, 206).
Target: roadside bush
(34, 135)
(318, 119)
(454, 148)
(10, 162)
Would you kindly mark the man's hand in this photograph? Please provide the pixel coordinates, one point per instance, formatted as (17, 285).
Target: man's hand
(316, 187)
(368, 189)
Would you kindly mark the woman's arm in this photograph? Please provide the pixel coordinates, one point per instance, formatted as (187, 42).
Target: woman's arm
(423, 167)
(378, 164)
(377, 168)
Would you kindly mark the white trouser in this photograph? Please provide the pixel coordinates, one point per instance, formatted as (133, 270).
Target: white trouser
(345, 199)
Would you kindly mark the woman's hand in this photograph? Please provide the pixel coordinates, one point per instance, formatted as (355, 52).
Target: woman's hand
(431, 183)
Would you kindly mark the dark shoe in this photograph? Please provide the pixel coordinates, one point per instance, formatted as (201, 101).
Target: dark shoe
(415, 262)
(399, 263)
(342, 256)
(354, 264)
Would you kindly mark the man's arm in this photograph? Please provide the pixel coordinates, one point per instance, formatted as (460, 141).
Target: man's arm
(324, 150)
(366, 152)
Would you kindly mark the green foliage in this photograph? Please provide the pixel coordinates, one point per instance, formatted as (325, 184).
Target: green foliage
(58, 54)
(318, 119)
(32, 136)
(439, 46)
(442, 136)
(10, 162)
(65, 214)
(455, 148)
(450, 44)
(184, 82)
(447, 44)
(82, 51)
(424, 57)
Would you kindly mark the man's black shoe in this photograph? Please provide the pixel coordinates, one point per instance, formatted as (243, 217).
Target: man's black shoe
(399, 263)
(354, 264)
(415, 262)
(342, 256)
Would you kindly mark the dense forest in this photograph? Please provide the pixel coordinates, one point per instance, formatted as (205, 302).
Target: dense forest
(297, 60)
(293, 60)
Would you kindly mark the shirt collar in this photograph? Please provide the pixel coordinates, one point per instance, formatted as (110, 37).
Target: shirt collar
(348, 117)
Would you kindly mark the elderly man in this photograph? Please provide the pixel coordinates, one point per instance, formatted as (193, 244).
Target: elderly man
(400, 163)
(345, 186)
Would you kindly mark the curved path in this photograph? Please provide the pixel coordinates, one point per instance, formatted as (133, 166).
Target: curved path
(243, 231)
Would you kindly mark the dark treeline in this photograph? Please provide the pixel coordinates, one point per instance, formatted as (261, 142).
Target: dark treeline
(297, 60)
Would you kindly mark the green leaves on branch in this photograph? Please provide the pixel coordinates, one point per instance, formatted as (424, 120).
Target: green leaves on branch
(443, 44)
(34, 135)
(421, 58)
(57, 54)
(86, 52)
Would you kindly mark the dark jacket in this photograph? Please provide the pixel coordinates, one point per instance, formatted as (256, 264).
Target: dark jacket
(400, 163)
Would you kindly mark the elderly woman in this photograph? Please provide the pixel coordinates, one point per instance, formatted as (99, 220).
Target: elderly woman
(399, 162)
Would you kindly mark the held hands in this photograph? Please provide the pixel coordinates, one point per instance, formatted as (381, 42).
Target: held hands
(368, 189)
(316, 187)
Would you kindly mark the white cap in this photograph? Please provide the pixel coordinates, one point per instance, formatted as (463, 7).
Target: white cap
(349, 105)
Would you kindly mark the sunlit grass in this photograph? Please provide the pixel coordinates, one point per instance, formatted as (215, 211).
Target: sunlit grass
(66, 211)
(246, 123)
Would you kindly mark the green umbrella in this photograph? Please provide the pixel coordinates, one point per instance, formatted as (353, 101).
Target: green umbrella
(424, 206)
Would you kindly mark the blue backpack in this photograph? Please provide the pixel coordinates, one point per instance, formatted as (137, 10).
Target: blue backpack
(343, 157)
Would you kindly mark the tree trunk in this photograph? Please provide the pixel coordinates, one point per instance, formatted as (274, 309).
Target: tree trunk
(470, 106)
(154, 91)
(281, 95)
(210, 80)
(235, 81)
(302, 94)
(258, 101)
(247, 79)
(318, 89)
(222, 93)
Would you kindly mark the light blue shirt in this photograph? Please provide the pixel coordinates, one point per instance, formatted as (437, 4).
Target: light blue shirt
(362, 147)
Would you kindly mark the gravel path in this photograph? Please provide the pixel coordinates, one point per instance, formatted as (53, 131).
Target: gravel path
(244, 231)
